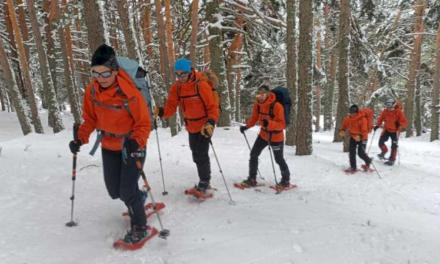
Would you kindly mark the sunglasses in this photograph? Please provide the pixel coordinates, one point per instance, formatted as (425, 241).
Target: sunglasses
(182, 74)
(105, 74)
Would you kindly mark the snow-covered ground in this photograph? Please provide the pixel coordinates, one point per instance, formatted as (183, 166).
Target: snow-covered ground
(330, 218)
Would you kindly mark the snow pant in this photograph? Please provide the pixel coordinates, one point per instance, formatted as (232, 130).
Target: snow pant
(121, 179)
(277, 148)
(394, 143)
(199, 145)
(360, 151)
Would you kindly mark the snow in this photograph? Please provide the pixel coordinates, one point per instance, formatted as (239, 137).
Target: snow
(330, 218)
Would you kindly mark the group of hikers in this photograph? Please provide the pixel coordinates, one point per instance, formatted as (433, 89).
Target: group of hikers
(117, 110)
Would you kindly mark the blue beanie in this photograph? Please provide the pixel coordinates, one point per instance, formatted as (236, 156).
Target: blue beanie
(182, 65)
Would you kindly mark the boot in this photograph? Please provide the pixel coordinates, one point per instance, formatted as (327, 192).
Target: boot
(389, 162)
(381, 156)
(202, 186)
(136, 234)
(250, 182)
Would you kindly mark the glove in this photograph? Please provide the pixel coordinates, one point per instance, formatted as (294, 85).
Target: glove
(357, 138)
(243, 128)
(157, 112)
(265, 123)
(132, 148)
(342, 133)
(74, 146)
(376, 128)
(208, 129)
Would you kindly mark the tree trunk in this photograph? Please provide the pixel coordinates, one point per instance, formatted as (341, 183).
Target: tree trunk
(343, 47)
(64, 38)
(14, 95)
(218, 61)
(23, 26)
(126, 29)
(94, 26)
(148, 37)
(331, 68)
(291, 70)
(317, 109)
(164, 60)
(304, 121)
(3, 98)
(418, 110)
(435, 103)
(49, 90)
(414, 66)
(24, 64)
(169, 36)
(194, 31)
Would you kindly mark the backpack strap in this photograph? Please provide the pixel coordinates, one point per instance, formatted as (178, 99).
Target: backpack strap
(182, 102)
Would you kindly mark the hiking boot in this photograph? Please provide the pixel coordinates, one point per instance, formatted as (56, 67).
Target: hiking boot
(251, 182)
(284, 182)
(389, 162)
(381, 156)
(136, 234)
(202, 186)
(350, 170)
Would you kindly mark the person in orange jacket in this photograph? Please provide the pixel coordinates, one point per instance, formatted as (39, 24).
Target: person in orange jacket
(394, 122)
(117, 110)
(195, 98)
(357, 125)
(270, 115)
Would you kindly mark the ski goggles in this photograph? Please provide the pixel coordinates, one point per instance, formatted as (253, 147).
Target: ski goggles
(105, 74)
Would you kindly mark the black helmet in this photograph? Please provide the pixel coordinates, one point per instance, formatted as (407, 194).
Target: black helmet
(354, 109)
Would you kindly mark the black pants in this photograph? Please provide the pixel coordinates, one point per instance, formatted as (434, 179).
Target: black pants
(121, 179)
(277, 148)
(394, 143)
(360, 150)
(199, 145)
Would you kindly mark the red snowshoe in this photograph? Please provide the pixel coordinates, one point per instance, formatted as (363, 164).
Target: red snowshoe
(199, 194)
(149, 209)
(135, 238)
(248, 183)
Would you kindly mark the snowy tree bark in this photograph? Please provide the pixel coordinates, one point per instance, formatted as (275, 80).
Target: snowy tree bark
(49, 89)
(414, 66)
(148, 37)
(122, 7)
(305, 79)
(24, 64)
(194, 31)
(218, 61)
(435, 104)
(291, 70)
(418, 109)
(330, 35)
(14, 94)
(170, 39)
(317, 108)
(2, 97)
(94, 26)
(343, 47)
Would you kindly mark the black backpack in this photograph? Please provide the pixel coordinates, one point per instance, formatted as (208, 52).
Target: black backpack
(282, 97)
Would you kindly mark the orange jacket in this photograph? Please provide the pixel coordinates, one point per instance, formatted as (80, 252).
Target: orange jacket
(357, 125)
(275, 126)
(196, 100)
(394, 120)
(98, 115)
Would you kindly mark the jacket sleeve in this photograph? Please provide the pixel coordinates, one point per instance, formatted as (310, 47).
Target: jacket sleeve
(89, 116)
(380, 119)
(208, 99)
(278, 122)
(254, 117)
(141, 118)
(403, 122)
(171, 103)
(344, 124)
(364, 128)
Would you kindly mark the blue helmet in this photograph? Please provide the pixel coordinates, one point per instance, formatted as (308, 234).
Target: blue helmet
(182, 64)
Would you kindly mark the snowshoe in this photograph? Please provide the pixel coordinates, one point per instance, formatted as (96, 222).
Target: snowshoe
(200, 194)
(149, 209)
(367, 168)
(282, 186)
(248, 183)
(350, 171)
(389, 162)
(135, 238)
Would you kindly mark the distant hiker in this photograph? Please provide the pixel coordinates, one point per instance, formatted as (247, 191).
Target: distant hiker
(357, 125)
(116, 109)
(394, 121)
(270, 114)
(195, 98)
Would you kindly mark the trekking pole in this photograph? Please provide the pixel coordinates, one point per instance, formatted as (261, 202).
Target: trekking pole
(163, 233)
(72, 223)
(375, 169)
(249, 146)
(273, 165)
(398, 152)
(160, 158)
(221, 172)
(371, 143)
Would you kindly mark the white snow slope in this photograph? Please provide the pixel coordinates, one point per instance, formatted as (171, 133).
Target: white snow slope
(331, 218)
